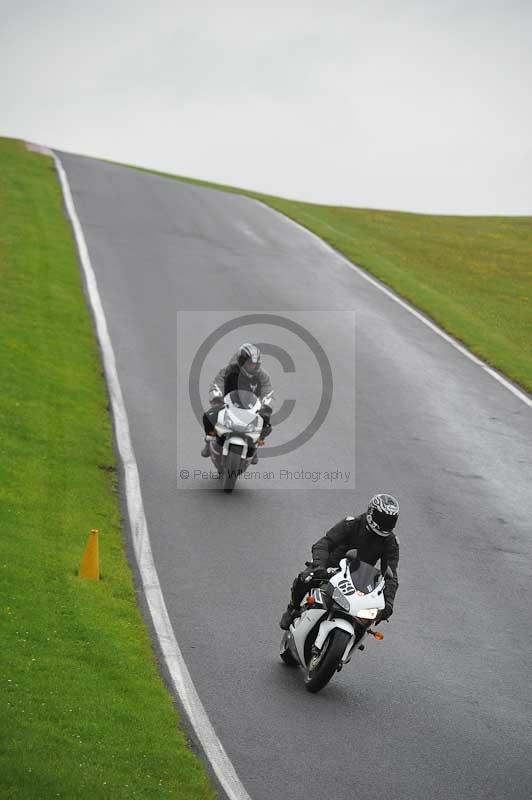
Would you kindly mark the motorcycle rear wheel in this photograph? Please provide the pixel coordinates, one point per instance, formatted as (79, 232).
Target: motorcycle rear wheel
(329, 661)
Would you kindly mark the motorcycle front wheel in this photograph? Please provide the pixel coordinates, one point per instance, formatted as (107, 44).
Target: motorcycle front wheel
(231, 469)
(322, 668)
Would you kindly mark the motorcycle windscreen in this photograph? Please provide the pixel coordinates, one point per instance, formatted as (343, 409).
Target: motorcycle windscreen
(242, 399)
(365, 577)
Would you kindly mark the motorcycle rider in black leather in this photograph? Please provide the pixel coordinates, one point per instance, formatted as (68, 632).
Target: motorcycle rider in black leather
(244, 373)
(372, 534)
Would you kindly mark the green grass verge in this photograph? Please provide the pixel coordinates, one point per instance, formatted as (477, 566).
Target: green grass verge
(472, 275)
(84, 713)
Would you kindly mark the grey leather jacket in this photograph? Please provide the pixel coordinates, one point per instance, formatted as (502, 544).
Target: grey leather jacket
(260, 384)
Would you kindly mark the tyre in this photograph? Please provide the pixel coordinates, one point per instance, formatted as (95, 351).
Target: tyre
(321, 671)
(286, 655)
(231, 469)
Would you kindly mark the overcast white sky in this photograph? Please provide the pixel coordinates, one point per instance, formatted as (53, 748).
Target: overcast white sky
(422, 106)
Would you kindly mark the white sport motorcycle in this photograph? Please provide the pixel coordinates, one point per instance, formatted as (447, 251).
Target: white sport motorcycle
(238, 435)
(335, 620)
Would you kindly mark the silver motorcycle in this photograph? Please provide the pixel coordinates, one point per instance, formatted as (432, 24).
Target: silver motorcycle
(238, 435)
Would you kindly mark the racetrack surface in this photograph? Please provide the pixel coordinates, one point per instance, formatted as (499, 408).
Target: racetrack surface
(442, 707)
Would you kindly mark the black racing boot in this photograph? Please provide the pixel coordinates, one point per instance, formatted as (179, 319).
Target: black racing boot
(288, 617)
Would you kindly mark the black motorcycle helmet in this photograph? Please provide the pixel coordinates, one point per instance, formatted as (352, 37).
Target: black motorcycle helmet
(382, 514)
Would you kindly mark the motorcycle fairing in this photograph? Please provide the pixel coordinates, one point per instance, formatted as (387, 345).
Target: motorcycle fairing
(301, 628)
(229, 436)
(329, 625)
(357, 601)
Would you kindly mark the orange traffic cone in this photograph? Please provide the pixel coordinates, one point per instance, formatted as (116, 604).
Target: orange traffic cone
(90, 563)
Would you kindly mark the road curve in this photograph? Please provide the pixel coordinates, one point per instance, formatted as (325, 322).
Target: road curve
(442, 707)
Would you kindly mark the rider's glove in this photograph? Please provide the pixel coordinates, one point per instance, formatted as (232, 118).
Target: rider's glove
(216, 397)
(313, 573)
(383, 615)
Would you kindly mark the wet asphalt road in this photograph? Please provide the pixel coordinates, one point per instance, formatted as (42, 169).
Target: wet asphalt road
(442, 708)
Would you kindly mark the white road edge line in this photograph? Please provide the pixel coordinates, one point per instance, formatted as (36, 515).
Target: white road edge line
(181, 679)
(432, 325)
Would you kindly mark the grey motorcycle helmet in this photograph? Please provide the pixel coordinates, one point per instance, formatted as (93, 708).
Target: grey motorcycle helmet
(382, 514)
(249, 359)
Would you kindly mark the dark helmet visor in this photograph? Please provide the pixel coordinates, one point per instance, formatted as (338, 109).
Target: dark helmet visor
(385, 522)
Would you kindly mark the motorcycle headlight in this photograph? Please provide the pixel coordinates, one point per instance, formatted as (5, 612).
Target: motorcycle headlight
(367, 613)
(341, 599)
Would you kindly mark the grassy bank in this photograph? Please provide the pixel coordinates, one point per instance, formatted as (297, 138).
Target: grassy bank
(472, 275)
(84, 712)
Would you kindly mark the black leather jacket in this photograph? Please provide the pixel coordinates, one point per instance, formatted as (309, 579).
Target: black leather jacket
(353, 532)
